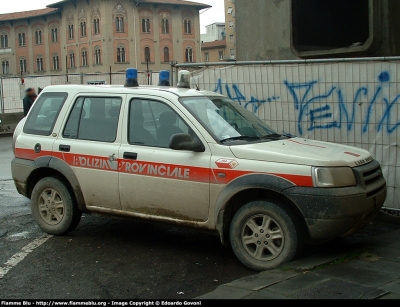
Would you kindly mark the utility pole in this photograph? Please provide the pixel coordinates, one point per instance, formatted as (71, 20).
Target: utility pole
(66, 67)
(148, 72)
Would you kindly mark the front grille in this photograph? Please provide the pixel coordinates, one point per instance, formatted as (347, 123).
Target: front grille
(370, 177)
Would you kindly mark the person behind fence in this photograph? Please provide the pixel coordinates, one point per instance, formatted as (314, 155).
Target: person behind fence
(29, 99)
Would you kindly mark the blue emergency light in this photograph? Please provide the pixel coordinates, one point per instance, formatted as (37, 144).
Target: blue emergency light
(131, 77)
(164, 78)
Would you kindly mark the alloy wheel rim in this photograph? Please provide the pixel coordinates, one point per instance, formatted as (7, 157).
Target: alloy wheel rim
(51, 207)
(262, 237)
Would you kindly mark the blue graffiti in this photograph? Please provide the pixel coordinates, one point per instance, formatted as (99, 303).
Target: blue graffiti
(315, 114)
(303, 100)
(235, 94)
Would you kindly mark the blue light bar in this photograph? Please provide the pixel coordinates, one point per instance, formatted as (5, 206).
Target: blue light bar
(131, 77)
(164, 78)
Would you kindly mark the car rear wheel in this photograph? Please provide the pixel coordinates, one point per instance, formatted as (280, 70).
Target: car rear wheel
(264, 235)
(53, 207)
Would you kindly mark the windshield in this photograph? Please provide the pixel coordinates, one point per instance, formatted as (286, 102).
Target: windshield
(227, 120)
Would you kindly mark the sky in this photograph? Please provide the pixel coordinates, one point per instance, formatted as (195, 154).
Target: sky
(215, 14)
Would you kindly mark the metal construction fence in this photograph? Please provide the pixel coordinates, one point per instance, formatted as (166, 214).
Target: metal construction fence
(12, 90)
(349, 101)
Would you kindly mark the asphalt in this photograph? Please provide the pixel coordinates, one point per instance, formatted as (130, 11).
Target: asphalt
(107, 258)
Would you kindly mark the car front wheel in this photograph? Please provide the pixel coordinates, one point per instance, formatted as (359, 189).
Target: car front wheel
(264, 235)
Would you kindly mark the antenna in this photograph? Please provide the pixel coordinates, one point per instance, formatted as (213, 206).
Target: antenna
(195, 83)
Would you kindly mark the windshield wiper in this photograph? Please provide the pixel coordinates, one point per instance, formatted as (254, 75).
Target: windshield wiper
(274, 136)
(238, 138)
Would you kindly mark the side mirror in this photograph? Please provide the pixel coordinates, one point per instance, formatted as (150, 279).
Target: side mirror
(185, 142)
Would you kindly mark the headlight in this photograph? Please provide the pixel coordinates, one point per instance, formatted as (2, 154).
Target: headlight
(333, 177)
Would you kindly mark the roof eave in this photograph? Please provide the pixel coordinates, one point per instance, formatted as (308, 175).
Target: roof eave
(199, 6)
(213, 47)
(30, 17)
(56, 4)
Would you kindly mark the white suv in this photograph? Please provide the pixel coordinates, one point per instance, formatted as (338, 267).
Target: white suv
(191, 158)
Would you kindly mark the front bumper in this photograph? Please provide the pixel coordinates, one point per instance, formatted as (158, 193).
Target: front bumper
(337, 212)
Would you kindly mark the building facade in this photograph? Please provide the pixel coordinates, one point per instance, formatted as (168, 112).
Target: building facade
(230, 26)
(213, 51)
(214, 32)
(88, 36)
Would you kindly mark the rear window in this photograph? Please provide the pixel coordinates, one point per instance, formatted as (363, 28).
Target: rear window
(44, 113)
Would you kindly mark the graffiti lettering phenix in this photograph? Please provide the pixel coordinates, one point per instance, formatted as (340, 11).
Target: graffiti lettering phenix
(313, 113)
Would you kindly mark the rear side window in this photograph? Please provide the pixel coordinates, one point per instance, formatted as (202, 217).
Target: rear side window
(94, 119)
(44, 114)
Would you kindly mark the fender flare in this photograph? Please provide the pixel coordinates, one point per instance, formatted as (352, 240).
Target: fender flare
(246, 182)
(65, 169)
(42, 161)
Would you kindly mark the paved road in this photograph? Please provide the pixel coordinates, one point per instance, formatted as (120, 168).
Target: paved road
(105, 257)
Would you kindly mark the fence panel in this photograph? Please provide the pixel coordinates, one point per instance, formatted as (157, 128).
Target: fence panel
(354, 103)
(11, 93)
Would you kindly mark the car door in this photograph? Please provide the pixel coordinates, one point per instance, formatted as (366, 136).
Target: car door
(154, 179)
(89, 143)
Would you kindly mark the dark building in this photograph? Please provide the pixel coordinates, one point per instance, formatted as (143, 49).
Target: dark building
(292, 29)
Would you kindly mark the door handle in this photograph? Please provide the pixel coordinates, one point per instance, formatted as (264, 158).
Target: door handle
(65, 148)
(130, 155)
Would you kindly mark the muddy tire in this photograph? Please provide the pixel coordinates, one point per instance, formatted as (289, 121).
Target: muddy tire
(264, 236)
(53, 207)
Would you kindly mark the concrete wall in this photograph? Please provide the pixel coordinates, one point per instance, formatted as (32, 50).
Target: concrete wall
(354, 103)
(8, 122)
(264, 31)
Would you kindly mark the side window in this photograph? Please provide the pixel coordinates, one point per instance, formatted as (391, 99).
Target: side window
(94, 119)
(45, 111)
(152, 123)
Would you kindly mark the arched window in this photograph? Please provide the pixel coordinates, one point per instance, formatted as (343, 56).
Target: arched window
(166, 54)
(97, 55)
(22, 39)
(187, 24)
(147, 54)
(56, 62)
(39, 63)
(70, 31)
(22, 65)
(38, 36)
(165, 26)
(4, 40)
(5, 65)
(189, 55)
(119, 24)
(71, 59)
(121, 55)
(84, 58)
(96, 25)
(83, 28)
(146, 25)
(54, 34)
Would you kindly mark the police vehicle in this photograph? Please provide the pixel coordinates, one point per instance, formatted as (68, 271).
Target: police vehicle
(192, 158)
